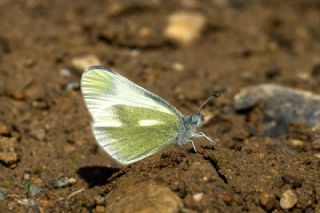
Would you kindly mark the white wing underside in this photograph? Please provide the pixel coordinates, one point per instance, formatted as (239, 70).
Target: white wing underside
(103, 89)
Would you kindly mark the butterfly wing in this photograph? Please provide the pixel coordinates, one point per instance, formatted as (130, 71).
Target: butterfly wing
(129, 122)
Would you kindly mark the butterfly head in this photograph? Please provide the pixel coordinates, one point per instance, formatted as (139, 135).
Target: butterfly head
(196, 119)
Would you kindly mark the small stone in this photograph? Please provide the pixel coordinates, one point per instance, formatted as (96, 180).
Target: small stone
(197, 197)
(27, 202)
(3, 194)
(74, 85)
(299, 144)
(317, 155)
(82, 63)
(268, 201)
(184, 27)
(40, 103)
(100, 209)
(316, 70)
(63, 182)
(178, 66)
(65, 72)
(143, 197)
(4, 130)
(288, 199)
(294, 181)
(316, 144)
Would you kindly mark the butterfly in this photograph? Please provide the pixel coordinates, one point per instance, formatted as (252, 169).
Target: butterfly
(131, 123)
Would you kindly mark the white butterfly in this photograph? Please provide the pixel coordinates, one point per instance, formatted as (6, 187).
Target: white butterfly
(131, 123)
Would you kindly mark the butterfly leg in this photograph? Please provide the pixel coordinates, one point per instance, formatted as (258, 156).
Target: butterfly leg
(194, 147)
(201, 134)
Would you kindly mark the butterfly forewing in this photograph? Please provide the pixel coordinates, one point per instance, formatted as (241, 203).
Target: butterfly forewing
(129, 122)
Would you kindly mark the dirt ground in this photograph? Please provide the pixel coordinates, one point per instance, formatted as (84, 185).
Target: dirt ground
(243, 43)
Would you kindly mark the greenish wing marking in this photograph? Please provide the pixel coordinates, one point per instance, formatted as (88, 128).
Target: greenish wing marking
(132, 141)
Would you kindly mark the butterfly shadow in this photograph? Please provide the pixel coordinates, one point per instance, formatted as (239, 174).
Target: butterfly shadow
(98, 175)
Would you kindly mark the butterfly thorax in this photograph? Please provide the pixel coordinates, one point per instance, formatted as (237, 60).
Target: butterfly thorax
(188, 128)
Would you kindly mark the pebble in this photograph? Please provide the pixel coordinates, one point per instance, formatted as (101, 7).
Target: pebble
(197, 197)
(3, 194)
(299, 144)
(143, 197)
(288, 199)
(100, 209)
(63, 182)
(268, 201)
(40, 103)
(74, 85)
(4, 130)
(65, 72)
(317, 155)
(281, 106)
(184, 27)
(178, 66)
(27, 202)
(292, 180)
(83, 62)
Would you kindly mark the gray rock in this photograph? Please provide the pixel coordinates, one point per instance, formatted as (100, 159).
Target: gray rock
(143, 197)
(63, 182)
(34, 189)
(281, 105)
(3, 194)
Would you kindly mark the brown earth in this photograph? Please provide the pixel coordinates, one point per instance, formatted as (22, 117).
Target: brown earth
(243, 43)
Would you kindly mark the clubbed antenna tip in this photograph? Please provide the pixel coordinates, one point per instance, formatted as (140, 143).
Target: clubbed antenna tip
(215, 94)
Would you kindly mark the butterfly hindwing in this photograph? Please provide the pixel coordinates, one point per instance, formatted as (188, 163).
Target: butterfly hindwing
(129, 122)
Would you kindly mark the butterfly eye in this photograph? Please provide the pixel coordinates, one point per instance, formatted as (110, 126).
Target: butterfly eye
(195, 119)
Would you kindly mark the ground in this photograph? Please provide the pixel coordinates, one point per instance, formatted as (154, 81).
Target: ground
(242, 43)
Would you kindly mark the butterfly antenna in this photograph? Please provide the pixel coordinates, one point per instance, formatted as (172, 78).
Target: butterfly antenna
(215, 94)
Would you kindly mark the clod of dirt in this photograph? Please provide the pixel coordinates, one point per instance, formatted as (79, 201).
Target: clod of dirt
(83, 62)
(281, 105)
(184, 27)
(4, 130)
(3, 194)
(144, 197)
(38, 134)
(8, 156)
(288, 199)
(268, 201)
(63, 182)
